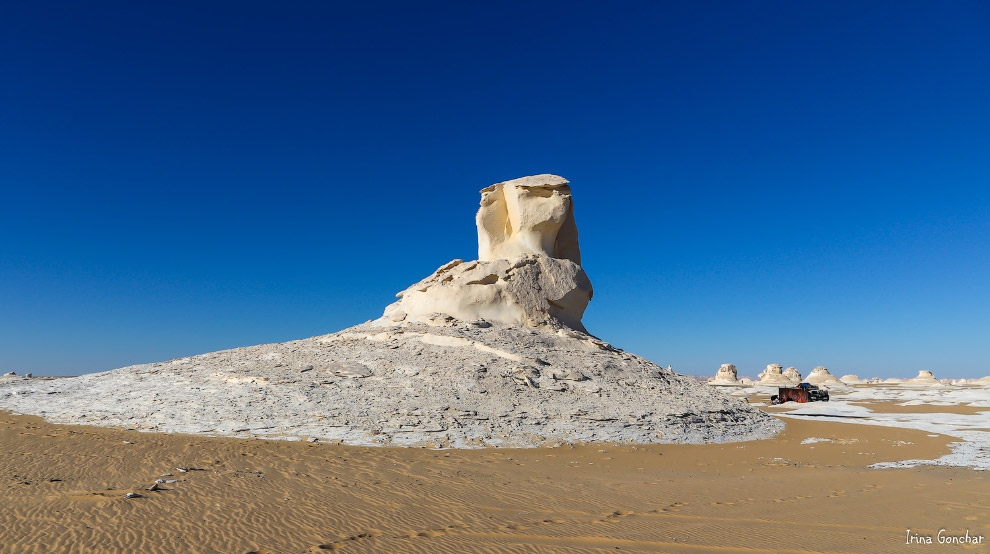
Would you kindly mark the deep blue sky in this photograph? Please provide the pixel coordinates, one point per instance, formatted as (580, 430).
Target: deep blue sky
(755, 182)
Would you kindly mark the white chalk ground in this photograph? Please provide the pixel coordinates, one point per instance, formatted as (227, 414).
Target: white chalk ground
(452, 384)
(973, 450)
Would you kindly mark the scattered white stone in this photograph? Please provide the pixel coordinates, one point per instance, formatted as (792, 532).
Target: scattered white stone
(973, 447)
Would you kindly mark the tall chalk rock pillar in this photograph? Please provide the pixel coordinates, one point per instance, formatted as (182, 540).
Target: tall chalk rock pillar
(528, 270)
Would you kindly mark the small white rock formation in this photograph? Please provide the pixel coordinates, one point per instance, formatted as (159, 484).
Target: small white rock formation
(774, 375)
(769, 368)
(528, 270)
(726, 375)
(851, 379)
(793, 375)
(924, 377)
(482, 353)
(821, 376)
(893, 381)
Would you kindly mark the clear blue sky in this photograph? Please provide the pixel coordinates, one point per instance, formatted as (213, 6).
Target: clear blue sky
(755, 182)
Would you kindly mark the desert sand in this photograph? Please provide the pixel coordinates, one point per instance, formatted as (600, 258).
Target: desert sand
(808, 489)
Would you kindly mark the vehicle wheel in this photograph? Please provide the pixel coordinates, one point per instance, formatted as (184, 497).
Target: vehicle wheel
(775, 399)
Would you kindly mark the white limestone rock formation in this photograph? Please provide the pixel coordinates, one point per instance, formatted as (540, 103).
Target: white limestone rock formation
(793, 375)
(482, 353)
(774, 375)
(726, 375)
(924, 377)
(528, 270)
(820, 376)
(852, 379)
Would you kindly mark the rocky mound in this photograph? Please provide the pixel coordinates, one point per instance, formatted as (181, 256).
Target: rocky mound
(792, 375)
(484, 353)
(463, 384)
(823, 377)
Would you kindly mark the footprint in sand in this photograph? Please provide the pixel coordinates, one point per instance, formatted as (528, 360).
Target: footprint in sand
(514, 527)
(341, 543)
(671, 507)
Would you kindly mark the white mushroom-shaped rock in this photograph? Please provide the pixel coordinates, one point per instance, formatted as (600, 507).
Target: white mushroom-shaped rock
(924, 377)
(774, 375)
(821, 376)
(726, 375)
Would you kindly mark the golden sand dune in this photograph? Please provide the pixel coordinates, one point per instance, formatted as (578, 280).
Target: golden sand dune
(62, 490)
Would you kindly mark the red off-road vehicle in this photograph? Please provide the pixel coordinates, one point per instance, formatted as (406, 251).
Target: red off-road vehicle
(805, 392)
